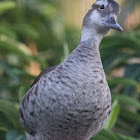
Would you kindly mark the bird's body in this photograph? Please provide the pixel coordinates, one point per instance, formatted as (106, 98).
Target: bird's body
(71, 101)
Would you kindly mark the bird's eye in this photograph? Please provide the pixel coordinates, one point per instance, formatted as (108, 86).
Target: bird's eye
(102, 7)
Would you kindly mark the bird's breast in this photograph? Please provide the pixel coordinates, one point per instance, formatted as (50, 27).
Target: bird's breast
(73, 101)
(82, 97)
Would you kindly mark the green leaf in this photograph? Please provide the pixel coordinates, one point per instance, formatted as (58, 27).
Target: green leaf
(122, 81)
(129, 116)
(12, 46)
(66, 51)
(105, 135)
(7, 31)
(10, 111)
(113, 116)
(6, 5)
(123, 137)
(22, 91)
(126, 100)
(14, 135)
(2, 135)
(25, 30)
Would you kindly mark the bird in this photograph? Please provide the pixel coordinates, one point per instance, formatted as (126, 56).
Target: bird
(72, 101)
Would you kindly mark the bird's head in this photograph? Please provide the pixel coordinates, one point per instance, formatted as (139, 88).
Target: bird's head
(102, 16)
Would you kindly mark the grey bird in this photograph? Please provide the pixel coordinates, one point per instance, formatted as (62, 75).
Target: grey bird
(72, 101)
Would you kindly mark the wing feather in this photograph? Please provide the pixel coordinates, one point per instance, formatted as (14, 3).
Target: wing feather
(44, 72)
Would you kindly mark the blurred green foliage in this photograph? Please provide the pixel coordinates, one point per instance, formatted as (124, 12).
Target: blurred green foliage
(39, 22)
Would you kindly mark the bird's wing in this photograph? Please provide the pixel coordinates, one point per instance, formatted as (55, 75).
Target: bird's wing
(44, 72)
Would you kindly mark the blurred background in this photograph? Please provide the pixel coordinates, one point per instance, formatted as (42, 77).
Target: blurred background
(36, 34)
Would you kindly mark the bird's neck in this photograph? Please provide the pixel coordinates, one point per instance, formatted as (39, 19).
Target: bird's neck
(86, 56)
(87, 51)
(92, 35)
(90, 41)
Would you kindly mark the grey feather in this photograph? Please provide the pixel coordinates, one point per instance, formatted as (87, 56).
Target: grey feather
(44, 72)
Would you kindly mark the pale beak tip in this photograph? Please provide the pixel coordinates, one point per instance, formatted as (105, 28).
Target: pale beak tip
(120, 29)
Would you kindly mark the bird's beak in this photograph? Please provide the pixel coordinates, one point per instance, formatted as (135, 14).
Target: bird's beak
(111, 22)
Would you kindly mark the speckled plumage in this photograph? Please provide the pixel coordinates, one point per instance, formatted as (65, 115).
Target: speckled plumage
(71, 101)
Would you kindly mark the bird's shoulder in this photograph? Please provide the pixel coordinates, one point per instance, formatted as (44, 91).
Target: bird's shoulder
(44, 72)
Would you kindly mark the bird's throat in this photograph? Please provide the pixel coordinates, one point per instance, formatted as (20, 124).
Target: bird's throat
(91, 34)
